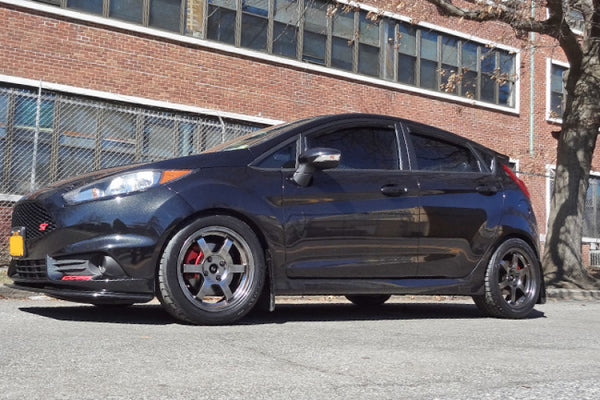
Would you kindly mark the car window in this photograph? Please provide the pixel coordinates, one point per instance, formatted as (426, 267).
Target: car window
(361, 148)
(437, 155)
(285, 157)
(488, 159)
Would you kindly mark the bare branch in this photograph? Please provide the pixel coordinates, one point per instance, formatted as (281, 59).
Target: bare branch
(510, 12)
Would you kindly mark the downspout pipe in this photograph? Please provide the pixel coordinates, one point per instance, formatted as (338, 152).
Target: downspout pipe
(531, 83)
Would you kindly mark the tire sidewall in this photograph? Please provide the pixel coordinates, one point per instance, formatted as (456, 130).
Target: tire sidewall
(175, 300)
(493, 294)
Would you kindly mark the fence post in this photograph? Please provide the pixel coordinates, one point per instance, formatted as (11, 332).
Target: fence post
(222, 129)
(36, 135)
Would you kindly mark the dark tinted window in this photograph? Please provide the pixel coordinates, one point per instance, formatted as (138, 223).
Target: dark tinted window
(282, 158)
(437, 155)
(361, 148)
(129, 10)
(93, 6)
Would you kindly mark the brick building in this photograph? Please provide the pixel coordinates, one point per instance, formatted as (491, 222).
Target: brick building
(94, 83)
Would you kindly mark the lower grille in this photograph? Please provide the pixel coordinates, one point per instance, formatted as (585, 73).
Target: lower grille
(31, 270)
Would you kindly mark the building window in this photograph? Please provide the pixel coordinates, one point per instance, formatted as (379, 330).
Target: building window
(161, 14)
(368, 45)
(91, 6)
(342, 40)
(127, 10)
(71, 135)
(315, 32)
(221, 20)
(591, 213)
(556, 90)
(255, 22)
(165, 14)
(285, 28)
(336, 36)
(407, 54)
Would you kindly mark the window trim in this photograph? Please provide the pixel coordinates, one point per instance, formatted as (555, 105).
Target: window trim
(275, 59)
(345, 125)
(549, 63)
(516, 162)
(440, 138)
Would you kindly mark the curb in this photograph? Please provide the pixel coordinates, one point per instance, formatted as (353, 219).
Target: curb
(572, 294)
(15, 294)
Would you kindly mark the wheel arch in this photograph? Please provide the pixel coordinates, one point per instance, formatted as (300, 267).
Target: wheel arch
(516, 234)
(254, 226)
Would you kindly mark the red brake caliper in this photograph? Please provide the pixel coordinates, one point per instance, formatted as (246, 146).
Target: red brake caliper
(194, 256)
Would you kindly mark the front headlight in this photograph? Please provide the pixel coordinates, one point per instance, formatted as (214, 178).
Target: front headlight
(122, 184)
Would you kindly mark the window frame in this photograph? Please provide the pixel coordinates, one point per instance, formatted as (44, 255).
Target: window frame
(146, 8)
(550, 63)
(358, 125)
(440, 138)
(393, 22)
(194, 33)
(550, 174)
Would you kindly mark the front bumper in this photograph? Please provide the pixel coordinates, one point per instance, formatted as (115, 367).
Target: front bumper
(80, 280)
(102, 251)
(84, 296)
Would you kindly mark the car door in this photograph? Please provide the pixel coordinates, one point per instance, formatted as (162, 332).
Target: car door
(460, 205)
(359, 220)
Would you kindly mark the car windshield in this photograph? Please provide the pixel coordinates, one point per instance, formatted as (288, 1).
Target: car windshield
(256, 137)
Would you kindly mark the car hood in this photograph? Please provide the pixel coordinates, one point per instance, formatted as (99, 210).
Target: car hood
(233, 158)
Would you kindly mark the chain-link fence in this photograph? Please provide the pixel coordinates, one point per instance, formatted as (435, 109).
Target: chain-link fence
(47, 136)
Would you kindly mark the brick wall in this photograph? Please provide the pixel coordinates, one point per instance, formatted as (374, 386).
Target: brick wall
(54, 49)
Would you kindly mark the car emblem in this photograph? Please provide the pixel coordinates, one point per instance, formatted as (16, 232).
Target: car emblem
(43, 226)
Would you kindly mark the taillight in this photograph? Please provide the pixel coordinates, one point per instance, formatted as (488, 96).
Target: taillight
(516, 179)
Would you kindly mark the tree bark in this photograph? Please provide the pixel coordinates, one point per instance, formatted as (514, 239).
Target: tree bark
(562, 261)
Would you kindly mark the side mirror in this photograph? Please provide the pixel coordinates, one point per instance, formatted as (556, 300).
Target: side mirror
(311, 160)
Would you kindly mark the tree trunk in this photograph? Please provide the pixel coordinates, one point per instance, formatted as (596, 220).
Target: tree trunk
(562, 262)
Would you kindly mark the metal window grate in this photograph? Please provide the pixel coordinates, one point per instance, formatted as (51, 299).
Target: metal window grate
(47, 136)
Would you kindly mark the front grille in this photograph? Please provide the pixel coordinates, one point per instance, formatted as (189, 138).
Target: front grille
(30, 270)
(34, 217)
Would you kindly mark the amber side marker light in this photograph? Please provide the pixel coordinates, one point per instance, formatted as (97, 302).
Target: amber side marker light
(170, 175)
(515, 178)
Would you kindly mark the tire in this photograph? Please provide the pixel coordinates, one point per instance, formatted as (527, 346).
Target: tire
(368, 300)
(212, 271)
(512, 281)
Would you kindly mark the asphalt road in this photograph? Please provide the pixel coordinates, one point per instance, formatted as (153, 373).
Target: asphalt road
(434, 350)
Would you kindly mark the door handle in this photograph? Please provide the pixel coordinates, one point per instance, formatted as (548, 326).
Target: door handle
(487, 189)
(394, 190)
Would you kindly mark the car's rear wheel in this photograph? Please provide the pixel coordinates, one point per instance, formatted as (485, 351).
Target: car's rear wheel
(512, 281)
(212, 271)
(368, 300)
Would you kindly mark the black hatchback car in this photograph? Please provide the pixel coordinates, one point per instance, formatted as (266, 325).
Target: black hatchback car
(365, 206)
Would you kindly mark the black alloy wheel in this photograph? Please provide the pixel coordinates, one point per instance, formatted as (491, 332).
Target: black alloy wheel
(212, 271)
(512, 281)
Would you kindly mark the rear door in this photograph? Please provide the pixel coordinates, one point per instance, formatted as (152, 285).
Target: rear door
(460, 204)
(359, 220)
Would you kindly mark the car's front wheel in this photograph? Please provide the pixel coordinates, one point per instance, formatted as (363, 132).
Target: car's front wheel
(512, 281)
(212, 271)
